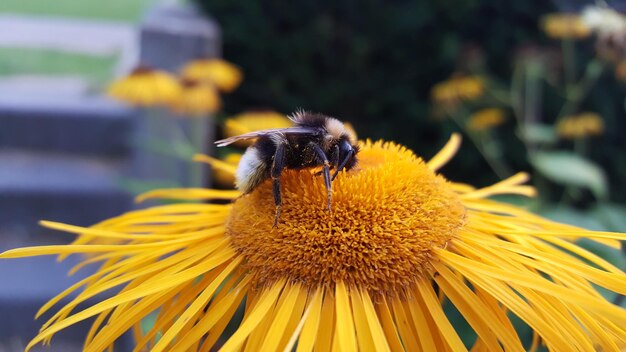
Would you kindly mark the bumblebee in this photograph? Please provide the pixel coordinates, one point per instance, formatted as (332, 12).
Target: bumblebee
(314, 141)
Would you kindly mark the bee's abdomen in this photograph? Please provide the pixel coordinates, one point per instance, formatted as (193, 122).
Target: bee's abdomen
(252, 170)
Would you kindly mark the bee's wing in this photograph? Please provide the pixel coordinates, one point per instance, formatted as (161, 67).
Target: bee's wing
(255, 134)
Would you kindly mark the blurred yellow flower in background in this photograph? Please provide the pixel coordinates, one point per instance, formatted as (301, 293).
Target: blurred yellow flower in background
(620, 70)
(351, 131)
(565, 26)
(146, 87)
(224, 75)
(370, 275)
(486, 119)
(256, 120)
(458, 88)
(197, 98)
(224, 169)
(579, 126)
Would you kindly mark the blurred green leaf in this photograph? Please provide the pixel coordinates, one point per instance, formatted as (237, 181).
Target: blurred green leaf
(520, 201)
(595, 68)
(612, 255)
(571, 216)
(536, 133)
(148, 322)
(138, 186)
(613, 216)
(465, 331)
(571, 169)
(593, 219)
(175, 149)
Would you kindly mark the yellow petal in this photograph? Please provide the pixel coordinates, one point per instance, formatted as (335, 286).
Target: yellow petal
(345, 323)
(95, 232)
(406, 328)
(418, 318)
(216, 163)
(389, 328)
(215, 333)
(310, 322)
(477, 314)
(473, 268)
(447, 330)
(277, 328)
(361, 327)
(326, 331)
(446, 153)
(218, 311)
(188, 194)
(150, 287)
(503, 187)
(260, 310)
(375, 328)
(295, 318)
(196, 306)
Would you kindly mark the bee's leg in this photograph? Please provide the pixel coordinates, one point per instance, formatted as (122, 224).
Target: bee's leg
(347, 153)
(325, 170)
(277, 168)
(335, 161)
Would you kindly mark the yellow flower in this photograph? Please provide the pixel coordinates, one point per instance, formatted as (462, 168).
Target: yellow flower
(458, 88)
(565, 26)
(224, 75)
(370, 275)
(197, 99)
(620, 70)
(253, 121)
(223, 170)
(146, 87)
(351, 131)
(486, 119)
(579, 126)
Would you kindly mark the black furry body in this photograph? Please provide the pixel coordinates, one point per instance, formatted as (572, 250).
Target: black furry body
(299, 154)
(314, 141)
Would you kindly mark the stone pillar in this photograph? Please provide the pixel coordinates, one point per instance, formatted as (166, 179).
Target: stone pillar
(171, 35)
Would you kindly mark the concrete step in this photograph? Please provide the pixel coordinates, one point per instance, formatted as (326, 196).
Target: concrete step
(34, 117)
(27, 284)
(54, 186)
(89, 37)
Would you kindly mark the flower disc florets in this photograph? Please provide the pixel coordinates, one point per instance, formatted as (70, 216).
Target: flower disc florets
(387, 217)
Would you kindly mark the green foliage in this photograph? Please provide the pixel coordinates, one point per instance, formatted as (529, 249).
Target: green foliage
(537, 133)
(20, 61)
(613, 216)
(125, 10)
(571, 169)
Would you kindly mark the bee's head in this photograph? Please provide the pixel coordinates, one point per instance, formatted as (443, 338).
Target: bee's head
(347, 152)
(337, 130)
(340, 144)
(342, 154)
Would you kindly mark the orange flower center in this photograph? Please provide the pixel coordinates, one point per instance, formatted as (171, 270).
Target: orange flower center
(387, 217)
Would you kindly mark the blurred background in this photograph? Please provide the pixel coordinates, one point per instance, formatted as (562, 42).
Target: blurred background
(101, 101)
